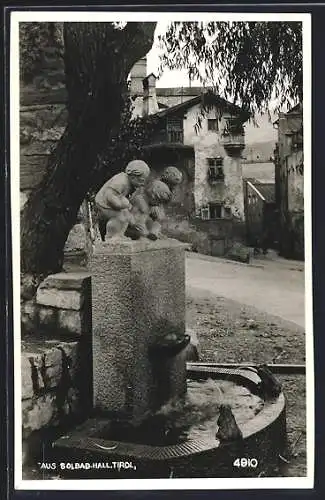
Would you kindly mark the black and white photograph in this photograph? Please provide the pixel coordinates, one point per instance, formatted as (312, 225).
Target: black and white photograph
(161, 236)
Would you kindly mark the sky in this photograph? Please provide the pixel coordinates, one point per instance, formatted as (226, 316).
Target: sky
(179, 78)
(169, 78)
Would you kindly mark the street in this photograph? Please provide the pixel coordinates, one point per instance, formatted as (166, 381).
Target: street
(272, 286)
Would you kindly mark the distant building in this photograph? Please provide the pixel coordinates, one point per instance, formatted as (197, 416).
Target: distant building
(211, 197)
(289, 181)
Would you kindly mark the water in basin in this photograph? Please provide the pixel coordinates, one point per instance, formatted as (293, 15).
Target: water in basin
(193, 417)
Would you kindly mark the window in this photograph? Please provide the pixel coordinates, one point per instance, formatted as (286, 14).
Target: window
(175, 129)
(215, 171)
(216, 174)
(213, 124)
(212, 211)
(215, 210)
(215, 162)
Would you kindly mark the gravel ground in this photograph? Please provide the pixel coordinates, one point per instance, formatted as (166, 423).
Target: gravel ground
(230, 332)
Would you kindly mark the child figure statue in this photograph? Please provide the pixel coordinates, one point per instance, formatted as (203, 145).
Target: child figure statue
(147, 210)
(112, 202)
(148, 204)
(172, 177)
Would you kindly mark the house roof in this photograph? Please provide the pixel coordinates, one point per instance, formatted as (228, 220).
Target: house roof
(208, 98)
(266, 190)
(296, 111)
(178, 91)
(293, 123)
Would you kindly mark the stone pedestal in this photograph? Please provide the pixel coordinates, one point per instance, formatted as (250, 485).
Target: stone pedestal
(138, 293)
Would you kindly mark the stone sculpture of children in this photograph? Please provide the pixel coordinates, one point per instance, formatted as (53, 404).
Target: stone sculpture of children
(172, 177)
(114, 208)
(143, 201)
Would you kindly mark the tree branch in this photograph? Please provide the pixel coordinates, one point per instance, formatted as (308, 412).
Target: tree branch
(140, 37)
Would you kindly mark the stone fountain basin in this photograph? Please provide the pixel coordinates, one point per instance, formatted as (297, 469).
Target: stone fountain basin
(87, 452)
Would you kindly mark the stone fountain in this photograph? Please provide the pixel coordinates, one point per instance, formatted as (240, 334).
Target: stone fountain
(154, 417)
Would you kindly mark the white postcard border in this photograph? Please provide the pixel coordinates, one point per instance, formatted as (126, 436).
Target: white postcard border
(158, 484)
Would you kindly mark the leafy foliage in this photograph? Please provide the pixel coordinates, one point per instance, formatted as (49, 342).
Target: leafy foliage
(233, 127)
(249, 63)
(35, 40)
(97, 60)
(127, 145)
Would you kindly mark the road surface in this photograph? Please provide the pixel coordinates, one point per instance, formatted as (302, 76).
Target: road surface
(272, 286)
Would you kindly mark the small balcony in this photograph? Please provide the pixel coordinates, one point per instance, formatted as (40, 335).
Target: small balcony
(175, 136)
(233, 144)
(171, 131)
(168, 136)
(233, 138)
(169, 141)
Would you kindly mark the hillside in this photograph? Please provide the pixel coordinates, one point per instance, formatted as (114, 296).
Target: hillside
(263, 172)
(258, 151)
(260, 140)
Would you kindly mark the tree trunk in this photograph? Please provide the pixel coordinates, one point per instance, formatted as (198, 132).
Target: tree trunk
(98, 59)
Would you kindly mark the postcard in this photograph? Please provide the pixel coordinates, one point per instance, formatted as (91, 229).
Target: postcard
(160, 174)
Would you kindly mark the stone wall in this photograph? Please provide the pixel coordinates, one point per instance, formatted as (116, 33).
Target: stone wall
(289, 180)
(295, 182)
(56, 356)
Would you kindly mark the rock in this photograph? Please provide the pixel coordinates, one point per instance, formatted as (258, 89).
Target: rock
(77, 239)
(27, 391)
(71, 351)
(28, 286)
(70, 321)
(39, 413)
(52, 367)
(28, 316)
(63, 299)
(28, 324)
(46, 316)
(23, 199)
(67, 281)
(42, 364)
